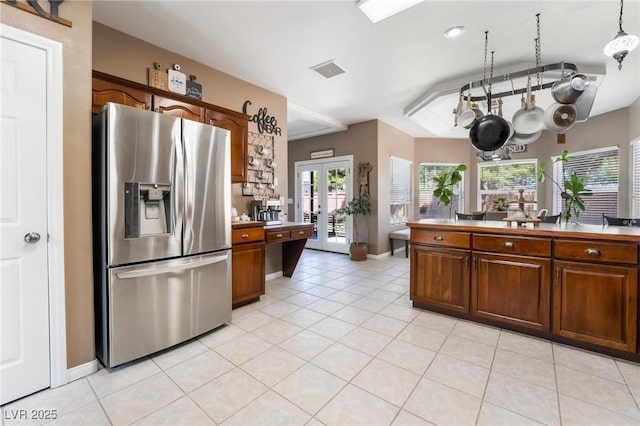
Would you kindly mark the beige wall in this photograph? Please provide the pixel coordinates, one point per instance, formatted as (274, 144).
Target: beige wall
(128, 57)
(124, 56)
(76, 43)
(634, 120)
(391, 142)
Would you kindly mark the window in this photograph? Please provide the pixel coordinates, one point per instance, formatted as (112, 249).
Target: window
(430, 208)
(602, 168)
(399, 190)
(635, 178)
(504, 179)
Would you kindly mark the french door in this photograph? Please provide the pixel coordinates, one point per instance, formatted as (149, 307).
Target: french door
(323, 187)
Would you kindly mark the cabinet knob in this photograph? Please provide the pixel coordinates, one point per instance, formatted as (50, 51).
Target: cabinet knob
(593, 252)
(509, 244)
(301, 232)
(438, 238)
(245, 235)
(278, 235)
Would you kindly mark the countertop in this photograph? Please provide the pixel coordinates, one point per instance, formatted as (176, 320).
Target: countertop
(254, 224)
(598, 232)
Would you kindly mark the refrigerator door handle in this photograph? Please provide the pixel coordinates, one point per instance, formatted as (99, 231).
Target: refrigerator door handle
(169, 269)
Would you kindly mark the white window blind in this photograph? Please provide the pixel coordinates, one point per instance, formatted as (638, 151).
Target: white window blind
(429, 206)
(635, 178)
(399, 189)
(504, 179)
(601, 167)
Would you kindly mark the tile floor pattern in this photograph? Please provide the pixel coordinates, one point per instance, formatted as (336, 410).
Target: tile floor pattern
(339, 343)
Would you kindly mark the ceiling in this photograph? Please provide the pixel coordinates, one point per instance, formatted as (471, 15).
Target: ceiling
(399, 70)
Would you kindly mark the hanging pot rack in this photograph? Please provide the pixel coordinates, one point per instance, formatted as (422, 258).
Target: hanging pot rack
(480, 84)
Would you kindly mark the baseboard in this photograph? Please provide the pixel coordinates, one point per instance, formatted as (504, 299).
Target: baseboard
(82, 370)
(378, 256)
(273, 275)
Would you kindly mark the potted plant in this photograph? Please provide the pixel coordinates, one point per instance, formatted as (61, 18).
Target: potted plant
(358, 206)
(446, 183)
(500, 204)
(571, 192)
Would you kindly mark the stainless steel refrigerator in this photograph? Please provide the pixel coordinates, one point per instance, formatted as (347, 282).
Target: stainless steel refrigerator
(162, 231)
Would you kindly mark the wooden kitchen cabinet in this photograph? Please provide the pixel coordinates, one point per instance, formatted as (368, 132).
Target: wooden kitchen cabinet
(106, 91)
(511, 289)
(108, 88)
(178, 109)
(248, 264)
(510, 280)
(440, 277)
(596, 303)
(239, 141)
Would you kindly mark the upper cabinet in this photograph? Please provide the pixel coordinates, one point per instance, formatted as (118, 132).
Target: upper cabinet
(107, 88)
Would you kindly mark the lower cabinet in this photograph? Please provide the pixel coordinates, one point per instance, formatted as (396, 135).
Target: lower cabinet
(440, 277)
(247, 272)
(596, 303)
(511, 289)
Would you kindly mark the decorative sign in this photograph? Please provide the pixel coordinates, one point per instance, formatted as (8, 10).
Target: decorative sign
(194, 90)
(177, 80)
(265, 122)
(516, 148)
(322, 154)
(158, 78)
(33, 6)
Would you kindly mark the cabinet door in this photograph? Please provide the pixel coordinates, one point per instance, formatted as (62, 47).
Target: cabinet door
(512, 289)
(596, 304)
(440, 277)
(247, 272)
(239, 129)
(178, 109)
(105, 91)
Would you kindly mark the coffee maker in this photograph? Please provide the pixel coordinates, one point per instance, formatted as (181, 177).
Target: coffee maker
(267, 211)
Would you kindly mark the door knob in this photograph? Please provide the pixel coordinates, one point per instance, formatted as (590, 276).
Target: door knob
(32, 237)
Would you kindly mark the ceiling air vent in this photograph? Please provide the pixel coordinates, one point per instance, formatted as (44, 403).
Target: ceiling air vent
(328, 69)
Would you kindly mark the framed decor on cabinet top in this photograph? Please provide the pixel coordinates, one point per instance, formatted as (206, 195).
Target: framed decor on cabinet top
(322, 154)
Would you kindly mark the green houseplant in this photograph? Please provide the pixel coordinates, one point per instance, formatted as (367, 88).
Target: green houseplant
(500, 204)
(358, 206)
(446, 182)
(572, 191)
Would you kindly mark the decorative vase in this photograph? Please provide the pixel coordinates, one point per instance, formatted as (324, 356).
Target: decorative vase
(358, 251)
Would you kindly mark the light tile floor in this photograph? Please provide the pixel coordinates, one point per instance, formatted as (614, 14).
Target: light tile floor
(340, 343)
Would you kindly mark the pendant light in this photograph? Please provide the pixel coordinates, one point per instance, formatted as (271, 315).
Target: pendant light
(622, 44)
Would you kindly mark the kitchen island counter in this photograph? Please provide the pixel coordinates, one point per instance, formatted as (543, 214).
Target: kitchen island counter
(576, 284)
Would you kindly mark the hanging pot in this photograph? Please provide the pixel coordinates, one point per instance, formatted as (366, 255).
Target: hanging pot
(490, 132)
(569, 88)
(560, 117)
(528, 120)
(584, 103)
(469, 117)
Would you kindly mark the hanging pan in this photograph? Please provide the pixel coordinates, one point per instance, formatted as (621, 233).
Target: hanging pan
(560, 117)
(469, 117)
(490, 132)
(569, 88)
(584, 103)
(530, 119)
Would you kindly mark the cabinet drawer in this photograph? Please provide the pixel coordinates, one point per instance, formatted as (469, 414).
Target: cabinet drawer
(300, 233)
(247, 235)
(277, 236)
(441, 238)
(512, 245)
(596, 251)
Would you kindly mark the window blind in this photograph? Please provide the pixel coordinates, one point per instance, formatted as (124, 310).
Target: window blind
(400, 181)
(504, 179)
(635, 178)
(601, 167)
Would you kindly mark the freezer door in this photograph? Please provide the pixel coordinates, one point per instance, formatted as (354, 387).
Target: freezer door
(207, 175)
(156, 305)
(144, 185)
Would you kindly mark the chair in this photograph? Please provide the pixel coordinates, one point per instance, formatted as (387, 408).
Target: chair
(542, 213)
(473, 216)
(619, 221)
(550, 219)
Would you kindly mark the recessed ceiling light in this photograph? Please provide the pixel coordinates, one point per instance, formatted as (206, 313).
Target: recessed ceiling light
(454, 31)
(377, 10)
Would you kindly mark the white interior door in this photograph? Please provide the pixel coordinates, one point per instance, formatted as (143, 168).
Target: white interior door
(24, 289)
(322, 188)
